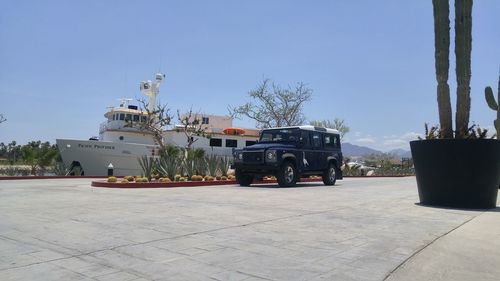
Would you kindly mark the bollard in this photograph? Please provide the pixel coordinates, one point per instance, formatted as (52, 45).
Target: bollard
(110, 169)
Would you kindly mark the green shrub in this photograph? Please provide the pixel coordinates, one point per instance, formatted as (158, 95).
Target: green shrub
(224, 164)
(139, 180)
(165, 180)
(196, 178)
(177, 177)
(112, 179)
(209, 178)
(148, 165)
(170, 163)
(212, 164)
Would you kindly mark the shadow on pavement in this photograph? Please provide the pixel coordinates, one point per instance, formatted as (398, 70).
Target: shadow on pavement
(298, 185)
(496, 209)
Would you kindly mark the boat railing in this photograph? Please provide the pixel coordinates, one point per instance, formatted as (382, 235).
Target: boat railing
(118, 125)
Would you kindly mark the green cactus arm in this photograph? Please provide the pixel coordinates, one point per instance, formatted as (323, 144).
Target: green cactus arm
(490, 99)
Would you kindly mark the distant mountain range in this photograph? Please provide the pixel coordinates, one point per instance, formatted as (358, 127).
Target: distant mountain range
(401, 153)
(350, 150)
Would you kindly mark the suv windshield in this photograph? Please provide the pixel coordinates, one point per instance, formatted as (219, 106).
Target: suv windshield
(280, 135)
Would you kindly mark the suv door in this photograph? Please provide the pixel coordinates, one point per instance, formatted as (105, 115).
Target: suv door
(318, 154)
(307, 157)
(330, 143)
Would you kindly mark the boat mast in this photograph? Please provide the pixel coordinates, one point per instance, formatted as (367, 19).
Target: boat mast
(151, 90)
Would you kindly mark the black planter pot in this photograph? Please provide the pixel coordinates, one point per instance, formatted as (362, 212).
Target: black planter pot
(457, 173)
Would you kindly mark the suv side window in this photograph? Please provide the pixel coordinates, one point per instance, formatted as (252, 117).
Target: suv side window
(337, 141)
(304, 138)
(329, 141)
(316, 140)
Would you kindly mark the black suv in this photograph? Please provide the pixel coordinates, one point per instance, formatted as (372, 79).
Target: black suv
(289, 153)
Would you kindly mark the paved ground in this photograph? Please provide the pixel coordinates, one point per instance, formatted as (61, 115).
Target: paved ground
(361, 229)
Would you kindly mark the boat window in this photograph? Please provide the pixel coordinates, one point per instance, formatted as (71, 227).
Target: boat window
(231, 143)
(144, 118)
(215, 142)
(136, 118)
(122, 116)
(249, 143)
(204, 120)
(128, 117)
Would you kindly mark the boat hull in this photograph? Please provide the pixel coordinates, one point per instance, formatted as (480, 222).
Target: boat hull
(94, 157)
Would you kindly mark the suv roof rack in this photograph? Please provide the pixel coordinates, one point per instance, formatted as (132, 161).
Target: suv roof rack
(309, 128)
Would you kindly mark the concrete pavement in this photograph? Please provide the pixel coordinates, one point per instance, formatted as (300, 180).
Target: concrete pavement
(470, 252)
(361, 229)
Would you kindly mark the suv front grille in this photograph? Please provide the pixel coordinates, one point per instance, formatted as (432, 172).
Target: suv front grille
(253, 157)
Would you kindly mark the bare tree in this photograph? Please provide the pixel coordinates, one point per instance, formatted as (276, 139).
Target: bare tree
(337, 124)
(192, 126)
(154, 122)
(2, 119)
(273, 106)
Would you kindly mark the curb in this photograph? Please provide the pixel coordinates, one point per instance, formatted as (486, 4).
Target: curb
(159, 184)
(49, 177)
(181, 184)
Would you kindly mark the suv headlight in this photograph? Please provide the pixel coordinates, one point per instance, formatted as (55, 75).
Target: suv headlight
(238, 156)
(271, 155)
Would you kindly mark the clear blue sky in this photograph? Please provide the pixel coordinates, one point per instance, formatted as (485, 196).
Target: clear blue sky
(369, 62)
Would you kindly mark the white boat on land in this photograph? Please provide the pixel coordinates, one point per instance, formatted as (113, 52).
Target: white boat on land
(121, 145)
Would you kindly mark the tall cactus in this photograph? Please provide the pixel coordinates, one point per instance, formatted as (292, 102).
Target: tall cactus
(463, 46)
(495, 105)
(442, 64)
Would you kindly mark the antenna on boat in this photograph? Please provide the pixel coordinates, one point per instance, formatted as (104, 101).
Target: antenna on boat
(151, 90)
(124, 102)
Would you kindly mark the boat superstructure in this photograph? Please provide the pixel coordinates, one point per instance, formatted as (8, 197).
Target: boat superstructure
(122, 139)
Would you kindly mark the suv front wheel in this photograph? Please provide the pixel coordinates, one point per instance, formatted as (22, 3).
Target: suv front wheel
(287, 175)
(330, 175)
(243, 179)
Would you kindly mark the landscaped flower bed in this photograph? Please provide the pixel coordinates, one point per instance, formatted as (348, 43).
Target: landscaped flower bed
(113, 182)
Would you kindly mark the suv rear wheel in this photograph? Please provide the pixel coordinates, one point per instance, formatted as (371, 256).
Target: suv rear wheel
(243, 179)
(287, 175)
(330, 175)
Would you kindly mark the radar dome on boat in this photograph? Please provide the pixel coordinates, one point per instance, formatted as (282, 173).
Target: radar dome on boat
(160, 76)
